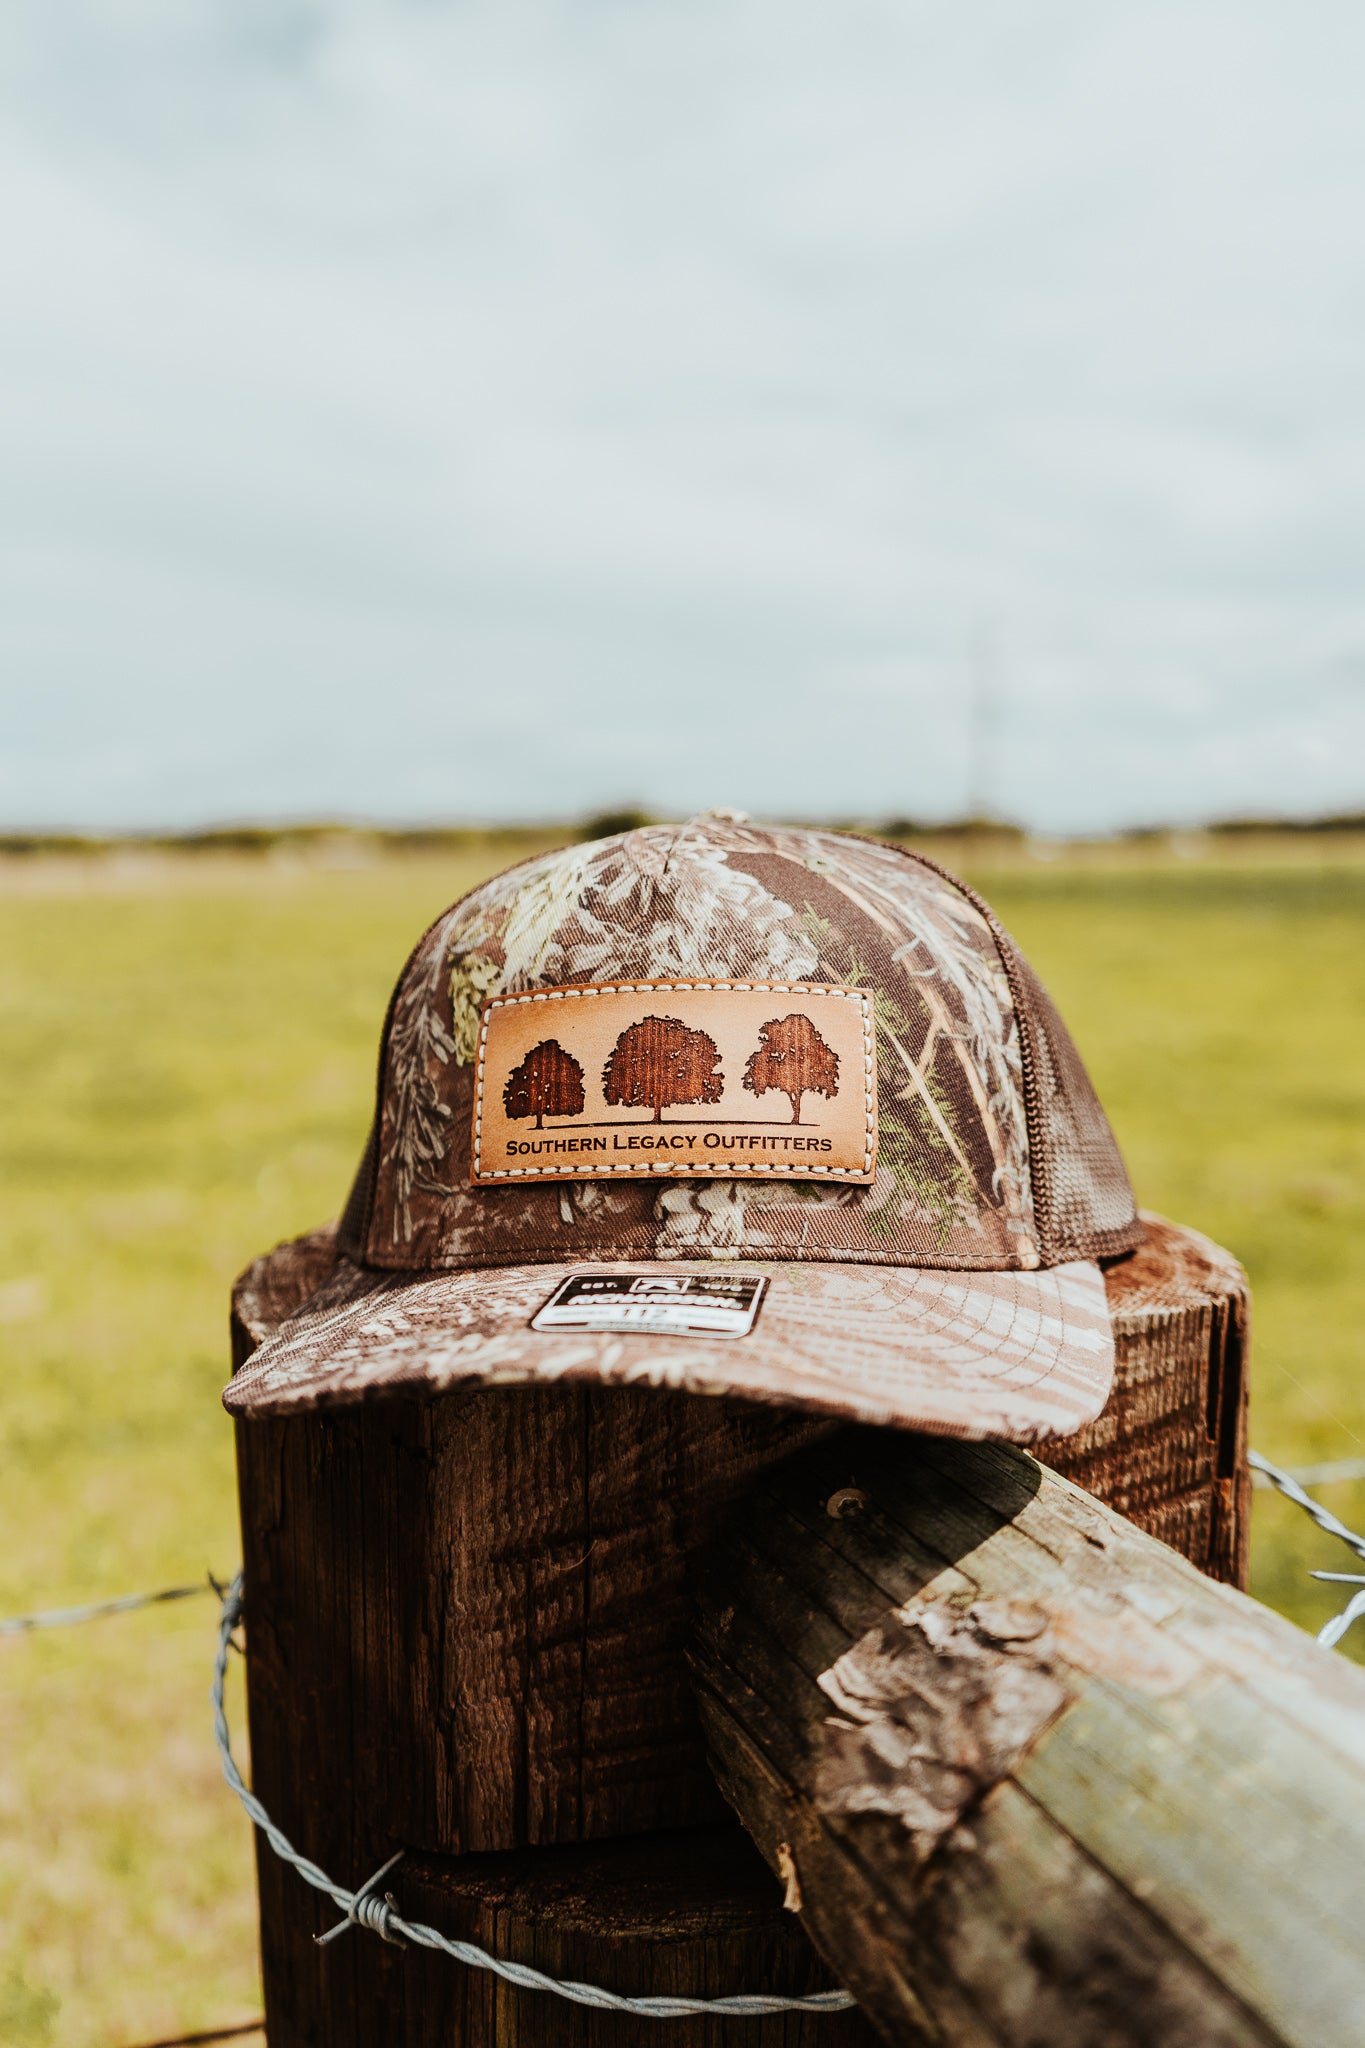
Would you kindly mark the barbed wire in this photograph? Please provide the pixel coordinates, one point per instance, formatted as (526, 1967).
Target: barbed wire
(366, 1908)
(95, 1610)
(1292, 1487)
(203, 2040)
(1333, 1472)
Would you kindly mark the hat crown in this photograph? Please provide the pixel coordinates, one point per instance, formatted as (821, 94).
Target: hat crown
(994, 1152)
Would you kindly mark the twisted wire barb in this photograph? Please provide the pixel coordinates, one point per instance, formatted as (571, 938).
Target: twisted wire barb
(1331, 1632)
(1330, 1473)
(1291, 1488)
(363, 1908)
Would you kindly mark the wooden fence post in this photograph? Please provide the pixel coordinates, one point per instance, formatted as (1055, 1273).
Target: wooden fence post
(1031, 1778)
(1170, 1449)
(467, 1623)
(466, 1628)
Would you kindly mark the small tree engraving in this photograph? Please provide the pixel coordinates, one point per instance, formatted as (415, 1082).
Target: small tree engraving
(549, 1082)
(661, 1060)
(793, 1058)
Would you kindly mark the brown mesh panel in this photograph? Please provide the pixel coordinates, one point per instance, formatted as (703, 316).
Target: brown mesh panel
(1084, 1202)
(354, 1227)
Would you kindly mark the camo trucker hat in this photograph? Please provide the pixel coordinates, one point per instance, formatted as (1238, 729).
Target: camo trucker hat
(767, 1113)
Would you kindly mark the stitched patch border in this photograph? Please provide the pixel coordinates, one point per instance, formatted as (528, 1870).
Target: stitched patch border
(858, 1169)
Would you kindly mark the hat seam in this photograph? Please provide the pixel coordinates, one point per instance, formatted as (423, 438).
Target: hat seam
(607, 1254)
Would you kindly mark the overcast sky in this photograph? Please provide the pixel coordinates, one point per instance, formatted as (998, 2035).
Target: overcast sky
(441, 408)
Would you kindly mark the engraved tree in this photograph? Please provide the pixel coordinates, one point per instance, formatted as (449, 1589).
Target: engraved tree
(793, 1058)
(549, 1082)
(661, 1060)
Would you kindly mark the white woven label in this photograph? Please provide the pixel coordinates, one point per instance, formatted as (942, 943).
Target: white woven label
(662, 1304)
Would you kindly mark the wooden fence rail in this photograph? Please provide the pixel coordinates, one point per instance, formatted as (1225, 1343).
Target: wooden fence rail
(1031, 1778)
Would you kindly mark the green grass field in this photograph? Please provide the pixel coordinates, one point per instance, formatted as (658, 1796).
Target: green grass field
(186, 1065)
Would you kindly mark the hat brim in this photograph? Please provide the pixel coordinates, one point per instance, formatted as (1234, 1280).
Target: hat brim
(1007, 1355)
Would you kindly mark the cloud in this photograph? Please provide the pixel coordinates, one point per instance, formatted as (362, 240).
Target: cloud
(455, 409)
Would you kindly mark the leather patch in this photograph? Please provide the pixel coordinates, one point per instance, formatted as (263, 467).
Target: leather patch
(641, 1079)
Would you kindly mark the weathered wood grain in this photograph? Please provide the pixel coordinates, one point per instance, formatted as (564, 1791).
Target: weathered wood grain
(467, 1617)
(1038, 1780)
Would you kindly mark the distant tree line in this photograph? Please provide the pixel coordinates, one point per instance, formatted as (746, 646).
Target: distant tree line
(435, 839)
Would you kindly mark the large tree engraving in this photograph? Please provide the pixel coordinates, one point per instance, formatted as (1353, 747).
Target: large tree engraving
(793, 1058)
(549, 1082)
(659, 1061)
